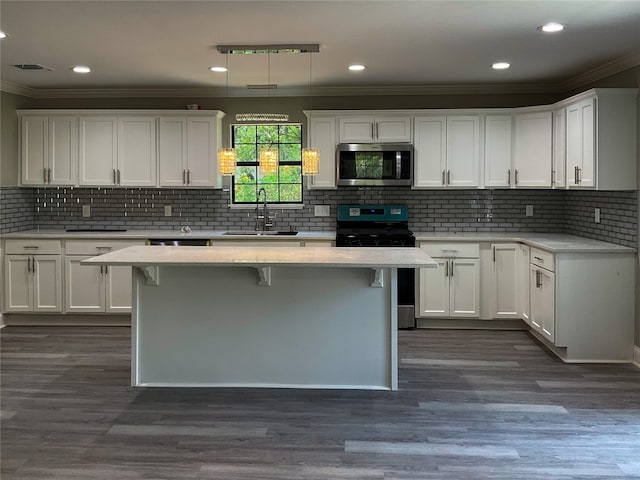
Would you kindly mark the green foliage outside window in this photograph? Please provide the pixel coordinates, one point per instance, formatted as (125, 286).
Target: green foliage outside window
(285, 186)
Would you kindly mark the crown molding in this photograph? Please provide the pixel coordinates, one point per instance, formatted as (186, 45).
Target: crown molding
(220, 92)
(603, 71)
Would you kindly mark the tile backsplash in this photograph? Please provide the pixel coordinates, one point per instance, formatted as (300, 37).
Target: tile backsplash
(430, 210)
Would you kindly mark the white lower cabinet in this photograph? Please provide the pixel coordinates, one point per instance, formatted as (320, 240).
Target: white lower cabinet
(542, 287)
(505, 281)
(96, 289)
(33, 283)
(453, 289)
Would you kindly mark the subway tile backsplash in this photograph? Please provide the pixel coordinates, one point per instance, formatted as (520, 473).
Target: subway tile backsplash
(430, 210)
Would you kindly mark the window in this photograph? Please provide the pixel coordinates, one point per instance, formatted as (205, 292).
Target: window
(285, 186)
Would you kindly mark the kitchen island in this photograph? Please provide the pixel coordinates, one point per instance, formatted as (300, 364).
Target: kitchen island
(259, 317)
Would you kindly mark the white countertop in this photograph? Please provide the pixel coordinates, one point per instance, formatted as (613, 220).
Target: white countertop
(392, 257)
(552, 242)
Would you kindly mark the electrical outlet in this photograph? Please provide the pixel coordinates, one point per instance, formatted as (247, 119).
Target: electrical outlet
(167, 210)
(321, 210)
(596, 217)
(86, 210)
(529, 210)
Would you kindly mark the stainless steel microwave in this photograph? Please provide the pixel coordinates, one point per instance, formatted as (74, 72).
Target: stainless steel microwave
(382, 164)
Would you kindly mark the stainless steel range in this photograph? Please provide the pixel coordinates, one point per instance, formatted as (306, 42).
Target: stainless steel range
(382, 226)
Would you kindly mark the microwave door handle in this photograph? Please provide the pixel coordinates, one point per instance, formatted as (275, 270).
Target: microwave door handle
(398, 165)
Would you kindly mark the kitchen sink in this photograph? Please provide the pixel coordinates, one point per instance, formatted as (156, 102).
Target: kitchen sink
(260, 233)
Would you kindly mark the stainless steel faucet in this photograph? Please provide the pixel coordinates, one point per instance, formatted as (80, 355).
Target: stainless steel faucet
(264, 221)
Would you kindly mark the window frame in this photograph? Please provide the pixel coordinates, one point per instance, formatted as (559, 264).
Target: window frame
(296, 163)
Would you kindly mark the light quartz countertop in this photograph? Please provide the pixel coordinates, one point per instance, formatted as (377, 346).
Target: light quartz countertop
(552, 242)
(392, 257)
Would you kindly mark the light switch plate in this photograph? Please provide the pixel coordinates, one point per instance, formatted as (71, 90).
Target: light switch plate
(167, 210)
(86, 210)
(596, 217)
(321, 210)
(529, 211)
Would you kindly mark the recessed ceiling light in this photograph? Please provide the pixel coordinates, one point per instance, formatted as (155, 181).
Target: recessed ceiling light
(3, 35)
(81, 69)
(218, 69)
(356, 68)
(500, 65)
(551, 27)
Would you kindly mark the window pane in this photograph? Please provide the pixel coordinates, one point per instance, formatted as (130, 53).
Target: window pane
(291, 193)
(290, 174)
(272, 192)
(246, 153)
(245, 175)
(245, 193)
(244, 134)
(290, 134)
(290, 153)
(268, 134)
(268, 178)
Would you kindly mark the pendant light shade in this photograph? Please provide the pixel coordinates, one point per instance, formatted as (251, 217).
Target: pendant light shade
(268, 161)
(310, 161)
(227, 161)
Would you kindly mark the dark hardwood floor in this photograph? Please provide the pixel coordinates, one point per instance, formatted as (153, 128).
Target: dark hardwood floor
(471, 405)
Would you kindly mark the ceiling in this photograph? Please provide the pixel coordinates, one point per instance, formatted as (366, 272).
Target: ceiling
(166, 47)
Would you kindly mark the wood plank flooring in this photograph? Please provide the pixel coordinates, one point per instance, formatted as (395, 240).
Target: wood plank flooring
(471, 405)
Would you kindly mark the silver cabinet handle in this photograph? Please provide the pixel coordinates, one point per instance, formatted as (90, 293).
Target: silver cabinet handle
(446, 269)
(377, 130)
(49, 175)
(103, 248)
(575, 175)
(451, 270)
(494, 253)
(28, 264)
(184, 177)
(188, 177)
(444, 178)
(579, 175)
(553, 177)
(31, 247)
(33, 265)
(516, 176)
(538, 279)
(448, 177)
(509, 177)
(118, 176)
(539, 259)
(114, 176)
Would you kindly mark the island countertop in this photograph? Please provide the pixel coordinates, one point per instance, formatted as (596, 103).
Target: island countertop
(392, 257)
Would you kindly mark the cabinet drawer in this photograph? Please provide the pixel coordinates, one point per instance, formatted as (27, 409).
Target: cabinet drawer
(542, 259)
(459, 250)
(34, 247)
(93, 247)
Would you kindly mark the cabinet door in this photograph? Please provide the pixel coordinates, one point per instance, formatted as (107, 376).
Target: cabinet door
(34, 150)
(63, 150)
(532, 150)
(84, 288)
(464, 296)
(547, 300)
(357, 129)
(202, 153)
(393, 129)
(523, 284)
(497, 151)
(429, 155)
(559, 149)
(581, 144)
(433, 294)
(172, 154)
(322, 135)
(137, 152)
(47, 283)
(506, 280)
(535, 296)
(18, 283)
(118, 290)
(98, 151)
(463, 151)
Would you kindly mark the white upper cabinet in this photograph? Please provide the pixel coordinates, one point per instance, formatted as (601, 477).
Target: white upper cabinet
(446, 151)
(375, 128)
(188, 149)
(118, 151)
(559, 149)
(49, 150)
(532, 150)
(498, 146)
(601, 139)
(322, 135)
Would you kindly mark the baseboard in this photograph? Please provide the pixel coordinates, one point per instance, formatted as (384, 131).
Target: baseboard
(88, 320)
(636, 356)
(471, 324)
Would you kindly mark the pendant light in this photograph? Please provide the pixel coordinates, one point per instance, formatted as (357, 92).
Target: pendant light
(268, 158)
(227, 157)
(310, 156)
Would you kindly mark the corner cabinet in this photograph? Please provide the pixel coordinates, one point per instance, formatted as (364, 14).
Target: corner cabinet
(321, 133)
(188, 149)
(601, 139)
(49, 150)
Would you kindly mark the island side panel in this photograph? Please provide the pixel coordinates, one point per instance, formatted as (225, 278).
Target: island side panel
(312, 328)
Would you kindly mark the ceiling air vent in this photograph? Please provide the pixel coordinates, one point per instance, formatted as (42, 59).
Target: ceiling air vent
(33, 66)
